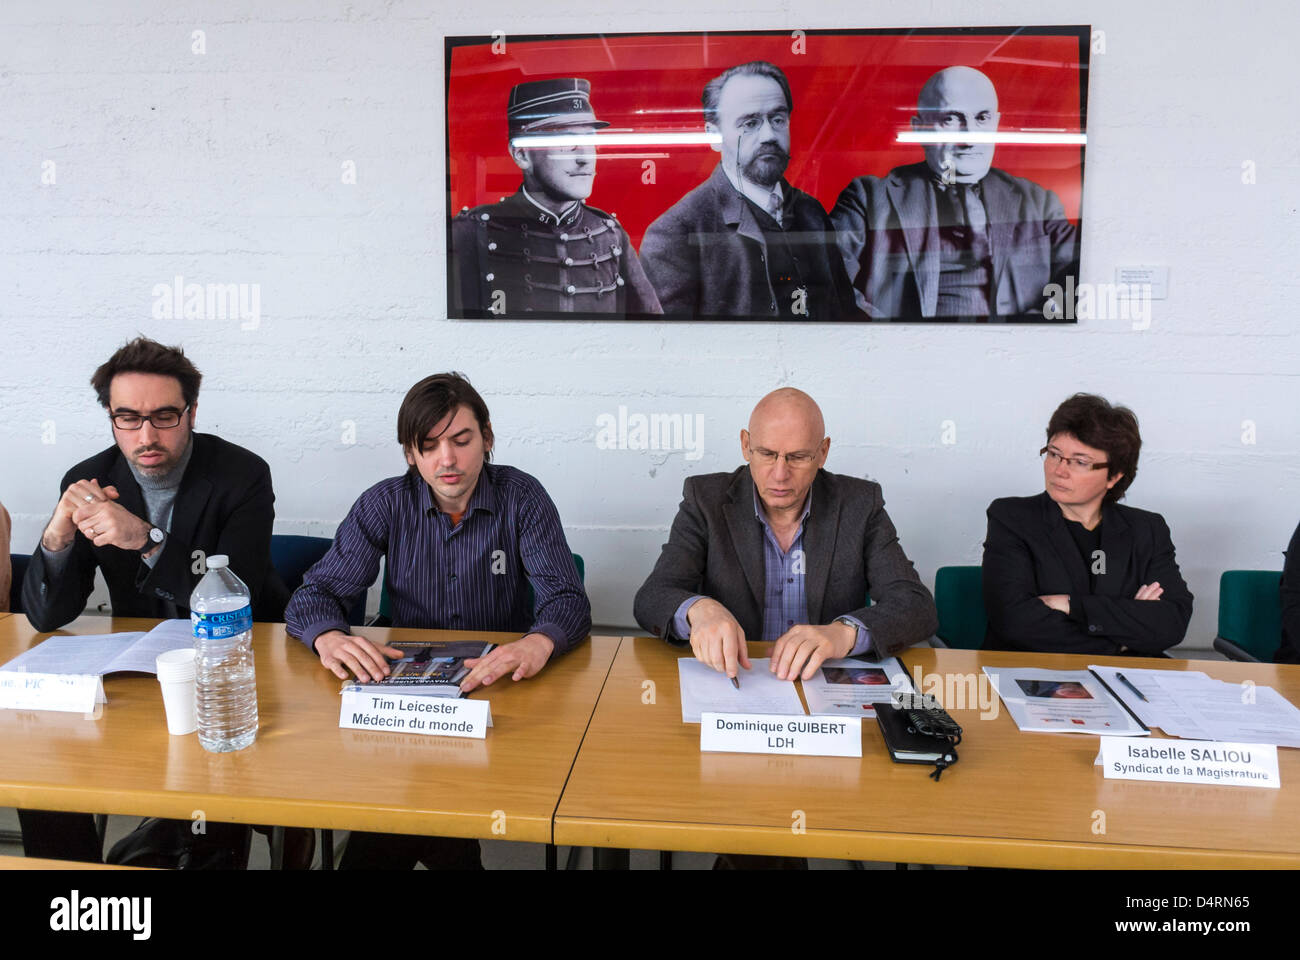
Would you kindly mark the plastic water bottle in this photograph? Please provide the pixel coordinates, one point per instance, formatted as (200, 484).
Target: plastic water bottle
(225, 682)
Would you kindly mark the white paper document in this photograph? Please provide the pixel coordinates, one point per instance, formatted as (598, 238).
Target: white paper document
(1163, 707)
(1242, 713)
(100, 654)
(853, 687)
(1061, 701)
(705, 690)
(1190, 705)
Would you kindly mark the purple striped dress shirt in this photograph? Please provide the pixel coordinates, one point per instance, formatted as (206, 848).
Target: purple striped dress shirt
(473, 576)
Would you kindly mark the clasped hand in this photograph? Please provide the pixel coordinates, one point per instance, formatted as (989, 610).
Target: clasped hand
(92, 509)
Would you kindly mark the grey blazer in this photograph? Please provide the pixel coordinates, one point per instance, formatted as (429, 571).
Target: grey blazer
(715, 548)
(887, 230)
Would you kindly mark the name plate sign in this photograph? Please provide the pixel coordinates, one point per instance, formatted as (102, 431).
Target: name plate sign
(66, 692)
(774, 733)
(1191, 761)
(370, 709)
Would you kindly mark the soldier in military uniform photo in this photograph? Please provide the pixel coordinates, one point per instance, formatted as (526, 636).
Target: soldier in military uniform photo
(542, 250)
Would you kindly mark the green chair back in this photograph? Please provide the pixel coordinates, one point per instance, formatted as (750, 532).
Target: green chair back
(1250, 611)
(959, 595)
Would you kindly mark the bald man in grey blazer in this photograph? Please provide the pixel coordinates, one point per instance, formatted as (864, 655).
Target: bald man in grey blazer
(783, 550)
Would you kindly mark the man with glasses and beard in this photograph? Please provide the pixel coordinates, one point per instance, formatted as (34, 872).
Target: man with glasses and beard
(143, 512)
(141, 509)
(745, 242)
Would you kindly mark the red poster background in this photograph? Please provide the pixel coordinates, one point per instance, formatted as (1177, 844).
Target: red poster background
(852, 94)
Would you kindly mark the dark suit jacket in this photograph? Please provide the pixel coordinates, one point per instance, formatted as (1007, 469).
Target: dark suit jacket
(715, 548)
(1289, 652)
(1029, 553)
(708, 256)
(225, 504)
(887, 230)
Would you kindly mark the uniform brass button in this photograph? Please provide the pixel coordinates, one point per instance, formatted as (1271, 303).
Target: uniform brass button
(619, 281)
(564, 236)
(568, 261)
(570, 289)
(484, 216)
(617, 251)
(490, 277)
(492, 245)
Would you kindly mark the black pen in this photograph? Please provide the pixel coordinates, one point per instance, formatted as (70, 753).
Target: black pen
(1124, 680)
(735, 682)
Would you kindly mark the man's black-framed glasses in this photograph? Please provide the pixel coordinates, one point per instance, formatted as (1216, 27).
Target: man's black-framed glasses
(164, 419)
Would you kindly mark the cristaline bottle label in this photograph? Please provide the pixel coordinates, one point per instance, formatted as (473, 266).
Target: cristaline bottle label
(220, 626)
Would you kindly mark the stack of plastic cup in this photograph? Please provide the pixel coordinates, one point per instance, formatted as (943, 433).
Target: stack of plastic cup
(176, 674)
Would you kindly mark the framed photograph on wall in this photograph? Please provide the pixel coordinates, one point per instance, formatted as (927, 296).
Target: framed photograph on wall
(931, 175)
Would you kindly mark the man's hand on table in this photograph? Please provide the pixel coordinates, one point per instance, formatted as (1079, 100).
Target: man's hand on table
(717, 640)
(521, 659)
(803, 648)
(368, 661)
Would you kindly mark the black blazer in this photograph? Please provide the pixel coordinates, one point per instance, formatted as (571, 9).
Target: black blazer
(1029, 553)
(715, 549)
(225, 504)
(1289, 651)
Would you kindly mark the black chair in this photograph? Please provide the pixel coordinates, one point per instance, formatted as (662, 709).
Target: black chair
(292, 556)
(19, 562)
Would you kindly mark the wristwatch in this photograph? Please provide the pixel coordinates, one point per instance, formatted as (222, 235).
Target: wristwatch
(156, 536)
(855, 632)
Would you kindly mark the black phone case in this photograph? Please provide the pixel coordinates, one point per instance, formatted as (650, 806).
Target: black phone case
(901, 738)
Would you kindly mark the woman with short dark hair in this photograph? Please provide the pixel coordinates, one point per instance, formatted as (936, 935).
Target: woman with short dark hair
(1071, 570)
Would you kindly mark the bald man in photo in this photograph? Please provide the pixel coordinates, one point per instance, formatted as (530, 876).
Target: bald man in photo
(783, 550)
(953, 237)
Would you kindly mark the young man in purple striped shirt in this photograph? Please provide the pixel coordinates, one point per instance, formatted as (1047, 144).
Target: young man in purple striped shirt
(463, 539)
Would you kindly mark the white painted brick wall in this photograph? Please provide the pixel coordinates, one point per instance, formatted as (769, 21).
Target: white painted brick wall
(225, 168)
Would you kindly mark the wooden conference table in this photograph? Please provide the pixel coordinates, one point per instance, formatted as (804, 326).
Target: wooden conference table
(1013, 800)
(303, 770)
(635, 775)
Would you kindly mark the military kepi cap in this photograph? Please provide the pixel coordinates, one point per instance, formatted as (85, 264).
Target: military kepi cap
(558, 102)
